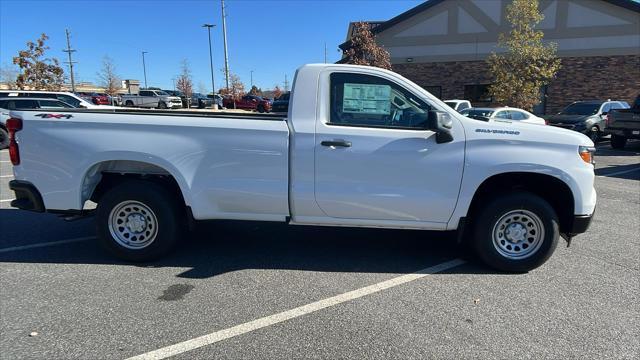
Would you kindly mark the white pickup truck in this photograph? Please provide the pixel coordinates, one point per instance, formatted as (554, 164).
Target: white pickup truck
(360, 146)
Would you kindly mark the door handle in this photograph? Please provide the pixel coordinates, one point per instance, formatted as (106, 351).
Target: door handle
(336, 143)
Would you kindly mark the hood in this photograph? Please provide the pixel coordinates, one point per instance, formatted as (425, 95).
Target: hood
(567, 119)
(518, 131)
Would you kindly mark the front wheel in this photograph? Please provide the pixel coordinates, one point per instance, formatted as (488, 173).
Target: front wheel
(618, 142)
(138, 220)
(594, 134)
(260, 108)
(162, 105)
(516, 232)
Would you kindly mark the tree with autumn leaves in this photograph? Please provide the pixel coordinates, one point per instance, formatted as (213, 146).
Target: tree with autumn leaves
(36, 71)
(527, 64)
(364, 50)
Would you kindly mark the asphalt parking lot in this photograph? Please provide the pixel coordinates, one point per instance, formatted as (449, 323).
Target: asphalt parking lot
(270, 291)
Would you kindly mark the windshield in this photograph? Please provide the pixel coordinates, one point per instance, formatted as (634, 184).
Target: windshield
(161, 93)
(581, 109)
(478, 114)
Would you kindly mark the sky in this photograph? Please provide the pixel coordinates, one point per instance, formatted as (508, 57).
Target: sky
(270, 37)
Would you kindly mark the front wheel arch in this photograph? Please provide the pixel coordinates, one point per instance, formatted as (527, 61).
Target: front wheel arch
(553, 190)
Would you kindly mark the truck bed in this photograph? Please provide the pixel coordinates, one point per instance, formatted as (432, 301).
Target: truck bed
(229, 165)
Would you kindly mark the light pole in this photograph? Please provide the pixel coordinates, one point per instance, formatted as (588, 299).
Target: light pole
(144, 68)
(251, 78)
(213, 85)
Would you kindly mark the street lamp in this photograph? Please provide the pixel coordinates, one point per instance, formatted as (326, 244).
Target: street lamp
(252, 78)
(213, 86)
(144, 68)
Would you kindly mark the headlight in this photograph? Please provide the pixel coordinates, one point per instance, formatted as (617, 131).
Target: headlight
(587, 154)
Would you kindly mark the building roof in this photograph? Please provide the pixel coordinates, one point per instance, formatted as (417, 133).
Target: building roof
(627, 4)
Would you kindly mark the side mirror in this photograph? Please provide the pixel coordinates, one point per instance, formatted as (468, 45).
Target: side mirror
(441, 123)
(604, 113)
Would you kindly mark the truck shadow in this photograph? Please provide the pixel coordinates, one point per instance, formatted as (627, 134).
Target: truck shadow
(628, 172)
(220, 247)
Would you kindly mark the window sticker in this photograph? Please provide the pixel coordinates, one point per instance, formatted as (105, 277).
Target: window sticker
(366, 99)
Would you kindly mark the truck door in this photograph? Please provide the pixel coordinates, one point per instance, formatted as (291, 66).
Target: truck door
(375, 160)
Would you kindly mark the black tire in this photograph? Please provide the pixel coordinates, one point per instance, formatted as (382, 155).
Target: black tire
(4, 139)
(260, 108)
(166, 210)
(594, 134)
(618, 142)
(128, 103)
(162, 105)
(512, 205)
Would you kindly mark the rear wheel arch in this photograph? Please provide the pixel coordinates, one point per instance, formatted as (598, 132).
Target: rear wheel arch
(104, 175)
(551, 189)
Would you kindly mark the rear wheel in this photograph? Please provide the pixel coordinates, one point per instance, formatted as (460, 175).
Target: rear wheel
(139, 220)
(128, 103)
(618, 142)
(516, 233)
(4, 139)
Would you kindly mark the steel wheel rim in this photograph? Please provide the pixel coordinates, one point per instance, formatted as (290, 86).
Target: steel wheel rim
(518, 234)
(133, 225)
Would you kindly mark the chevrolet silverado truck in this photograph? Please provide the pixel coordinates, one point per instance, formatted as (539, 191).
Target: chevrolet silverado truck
(623, 124)
(152, 99)
(359, 147)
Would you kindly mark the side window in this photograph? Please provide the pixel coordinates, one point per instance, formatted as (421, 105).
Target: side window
(366, 100)
(516, 115)
(26, 104)
(52, 104)
(69, 100)
(463, 105)
(606, 108)
(143, 93)
(504, 114)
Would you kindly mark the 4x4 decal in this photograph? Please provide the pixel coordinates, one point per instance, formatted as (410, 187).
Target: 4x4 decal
(55, 116)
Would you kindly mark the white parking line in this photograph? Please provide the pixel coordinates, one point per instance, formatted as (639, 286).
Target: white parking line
(6, 176)
(620, 172)
(5, 200)
(228, 333)
(51, 243)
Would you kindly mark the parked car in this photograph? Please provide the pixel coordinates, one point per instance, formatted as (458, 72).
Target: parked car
(181, 95)
(248, 102)
(362, 146)
(101, 99)
(67, 97)
(217, 99)
(11, 103)
(502, 113)
(623, 124)
(281, 104)
(586, 117)
(200, 101)
(458, 105)
(152, 99)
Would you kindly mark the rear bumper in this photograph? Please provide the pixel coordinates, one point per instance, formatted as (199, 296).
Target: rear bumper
(27, 196)
(627, 133)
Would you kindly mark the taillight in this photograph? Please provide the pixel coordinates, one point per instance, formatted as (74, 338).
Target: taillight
(607, 120)
(14, 125)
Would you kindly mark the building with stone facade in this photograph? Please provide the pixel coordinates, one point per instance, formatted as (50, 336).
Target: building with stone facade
(443, 45)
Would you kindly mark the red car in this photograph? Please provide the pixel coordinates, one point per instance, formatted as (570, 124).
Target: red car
(98, 99)
(248, 102)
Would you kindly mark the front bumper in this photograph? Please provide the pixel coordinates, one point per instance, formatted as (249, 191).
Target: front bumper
(580, 224)
(27, 196)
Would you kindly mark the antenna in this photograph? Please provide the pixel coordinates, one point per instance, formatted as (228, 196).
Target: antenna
(69, 50)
